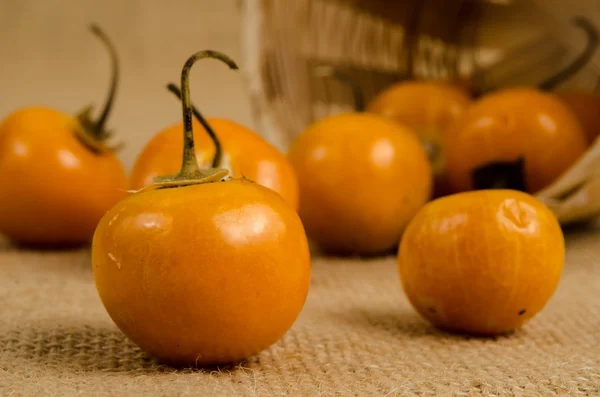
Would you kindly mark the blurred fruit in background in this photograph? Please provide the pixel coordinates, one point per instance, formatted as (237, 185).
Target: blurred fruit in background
(58, 172)
(586, 107)
(401, 54)
(506, 125)
(362, 178)
(524, 124)
(429, 108)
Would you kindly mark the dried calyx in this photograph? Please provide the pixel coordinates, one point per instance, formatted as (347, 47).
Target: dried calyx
(500, 175)
(190, 173)
(93, 133)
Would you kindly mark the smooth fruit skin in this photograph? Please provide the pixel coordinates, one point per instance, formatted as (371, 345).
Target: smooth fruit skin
(362, 178)
(204, 274)
(481, 262)
(245, 154)
(54, 189)
(429, 108)
(586, 106)
(506, 125)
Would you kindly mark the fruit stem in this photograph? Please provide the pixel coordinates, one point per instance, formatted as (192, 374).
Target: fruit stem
(581, 61)
(98, 127)
(216, 161)
(190, 166)
(357, 93)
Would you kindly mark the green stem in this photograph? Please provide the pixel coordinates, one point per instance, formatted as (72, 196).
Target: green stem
(357, 93)
(581, 61)
(216, 162)
(98, 127)
(190, 166)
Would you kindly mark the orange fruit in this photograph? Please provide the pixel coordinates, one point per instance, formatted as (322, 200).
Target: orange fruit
(362, 178)
(58, 176)
(481, 262)
(511, 124)
(429, 108)
(204, 274)
(586, 107)
(201, 269)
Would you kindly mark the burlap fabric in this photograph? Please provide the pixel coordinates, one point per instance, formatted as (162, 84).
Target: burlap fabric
(356, 336)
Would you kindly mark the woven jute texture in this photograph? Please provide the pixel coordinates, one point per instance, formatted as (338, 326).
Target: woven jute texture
(357, 335)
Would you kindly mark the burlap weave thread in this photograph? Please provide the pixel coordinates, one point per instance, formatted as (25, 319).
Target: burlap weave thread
(356, 336)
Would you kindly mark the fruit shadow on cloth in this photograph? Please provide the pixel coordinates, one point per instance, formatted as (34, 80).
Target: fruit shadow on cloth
(85, 348)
